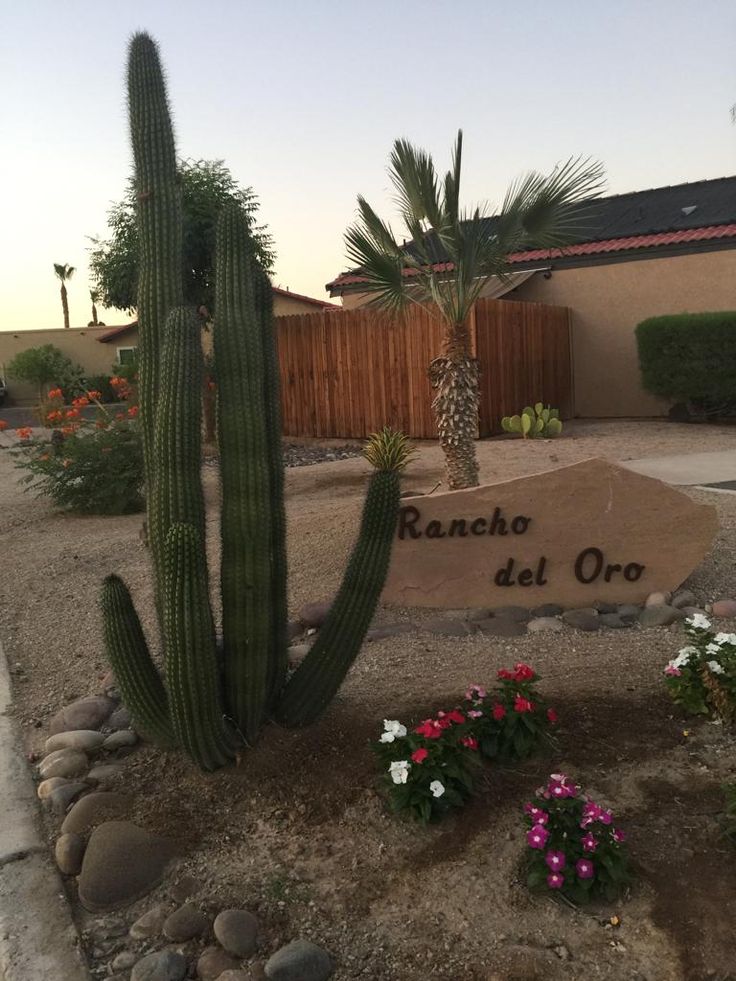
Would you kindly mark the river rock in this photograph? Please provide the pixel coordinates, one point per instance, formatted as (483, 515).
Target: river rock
(120, 719)
(59, 800)
(122, 863)
(93, 809)
(185, 923)
(213, 961)
(501, 627)
(150, 924)
(69, 852)
(85, 713)
(519, 614)
(46, 786)
(315, 614)
(585, 619)
(88, 740)
(614, 621)
(602, 607)
(236, 929)
(124, 960)
(237, 975)
(296, 654)
(659, 616)
(629, 611)
(658, 599)
(117, 740)
(683, 598)
(164, 965)
(725, 608)
(299, 961)
(104, 773)
(445, 627)
(547, 610)
(63, 763)
(545, 625)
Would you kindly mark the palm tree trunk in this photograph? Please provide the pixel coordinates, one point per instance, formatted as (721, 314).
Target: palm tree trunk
(94, 314)
(454, 377)
(65, 306)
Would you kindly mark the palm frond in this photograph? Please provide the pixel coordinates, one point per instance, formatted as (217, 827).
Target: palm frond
(414, 178)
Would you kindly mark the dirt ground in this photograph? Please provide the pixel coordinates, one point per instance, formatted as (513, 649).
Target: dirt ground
(299, 832)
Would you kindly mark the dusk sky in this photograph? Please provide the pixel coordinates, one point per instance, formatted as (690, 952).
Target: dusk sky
(303, 100)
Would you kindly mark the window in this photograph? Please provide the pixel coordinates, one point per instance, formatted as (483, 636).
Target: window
(126, 355)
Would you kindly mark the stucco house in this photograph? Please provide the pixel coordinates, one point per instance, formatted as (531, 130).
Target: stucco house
(665, 250)
(96, 349)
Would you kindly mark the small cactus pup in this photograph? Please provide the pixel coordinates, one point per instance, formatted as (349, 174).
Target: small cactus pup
(317, 679)
(534, 422)
(216, 693)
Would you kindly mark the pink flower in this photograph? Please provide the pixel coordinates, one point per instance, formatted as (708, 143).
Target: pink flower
(430, 729)
(589, 842)
(555, 860)
(474, 714)
(584, 868)
(537, 837)
(522, 704)
(419, 755)
(537, 815)
(605, 817)
(522, 672)
(470, 742)
(591, 813)
(555, 880)
(560, 786)
(672, 672)
(552, 716)
(456, 716)
(475, 693)
(618, 835)
(498, 711)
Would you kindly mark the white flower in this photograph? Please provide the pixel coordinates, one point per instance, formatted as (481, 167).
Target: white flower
(715, 667)
(725, 639)
(698, 621)
(683, 657)
(399, 771)
(712, 648)
(437, 788)
(394, 730)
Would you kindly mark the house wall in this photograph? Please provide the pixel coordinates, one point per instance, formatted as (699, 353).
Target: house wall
(606, 303)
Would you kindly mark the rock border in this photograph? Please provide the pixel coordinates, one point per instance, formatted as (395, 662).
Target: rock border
(38, 939)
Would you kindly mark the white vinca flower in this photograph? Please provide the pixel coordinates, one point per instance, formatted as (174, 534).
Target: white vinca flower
(394, 730)
(399, 771)
(683, 657)
(437, 788)
(725, 639)
(715, 667)
(698, 621)
(712, 648)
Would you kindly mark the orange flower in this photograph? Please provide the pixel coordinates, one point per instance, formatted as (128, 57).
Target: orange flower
(3, 425)
(120, 416)
(133, 411)
(25, 432)
(72, 413)
(56, 393)
(68, 430)
(82, 400)
(116, 380)
(94, 394)
(65, 463)
(54, 416)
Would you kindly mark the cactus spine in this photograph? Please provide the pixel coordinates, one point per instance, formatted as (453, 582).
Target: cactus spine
(211, 709)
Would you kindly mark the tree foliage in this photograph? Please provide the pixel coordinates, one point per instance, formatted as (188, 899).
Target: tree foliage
(206, 185)
(45, 365)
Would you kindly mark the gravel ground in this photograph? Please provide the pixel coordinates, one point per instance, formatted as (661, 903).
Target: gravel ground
(298, 832)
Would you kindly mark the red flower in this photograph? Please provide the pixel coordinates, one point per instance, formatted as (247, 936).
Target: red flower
(430, 729)
(470, 741)
(522, 672)
(56, 393)
(456, 716)
(3, 425)
(72, 413)
(522, 704)
(419, 755)
(505, 675)
(552, 716)
(498, 711)
(94, 394)
(133, 411)
(82, 400)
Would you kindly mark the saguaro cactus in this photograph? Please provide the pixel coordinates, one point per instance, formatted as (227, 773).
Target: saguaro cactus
(218, 693)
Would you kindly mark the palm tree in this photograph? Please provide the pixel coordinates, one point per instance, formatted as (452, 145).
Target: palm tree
(451, 256)
(94, 296)
(64, 272)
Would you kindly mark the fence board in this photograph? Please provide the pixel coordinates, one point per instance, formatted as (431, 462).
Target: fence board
(346, 374)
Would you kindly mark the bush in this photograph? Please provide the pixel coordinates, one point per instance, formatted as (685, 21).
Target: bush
(101, 383)
(702, 678)
(690, 358)
(574, 847)
(45, 365)
(89, 466)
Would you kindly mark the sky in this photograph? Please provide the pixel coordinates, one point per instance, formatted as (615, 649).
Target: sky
(303, 101)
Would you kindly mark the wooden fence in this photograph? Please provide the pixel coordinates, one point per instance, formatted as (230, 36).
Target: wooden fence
(347, 374)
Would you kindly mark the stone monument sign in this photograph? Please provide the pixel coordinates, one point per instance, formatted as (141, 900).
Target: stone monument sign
(586, 532)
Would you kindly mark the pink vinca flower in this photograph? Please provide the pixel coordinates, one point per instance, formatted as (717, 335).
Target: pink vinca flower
(589, 842)
(537, 815)
(474, 714)
(475, 693)
(498, 711)
(555, 860)
(672, 672)
(537, 837)
(584, 868)
(618, 835)
(555, 880)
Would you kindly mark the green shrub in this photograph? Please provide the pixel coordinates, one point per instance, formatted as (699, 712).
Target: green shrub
(44, 366)
(101, 384)
(690, 358)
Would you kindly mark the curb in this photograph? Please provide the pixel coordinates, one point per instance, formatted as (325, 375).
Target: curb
(38, 939)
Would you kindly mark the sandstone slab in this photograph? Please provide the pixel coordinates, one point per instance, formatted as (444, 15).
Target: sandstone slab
(611, 535)
(122, 863)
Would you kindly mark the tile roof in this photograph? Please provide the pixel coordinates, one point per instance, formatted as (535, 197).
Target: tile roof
(683, 213)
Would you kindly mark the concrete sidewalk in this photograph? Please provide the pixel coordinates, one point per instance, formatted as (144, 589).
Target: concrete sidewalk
(38, 940)
(687, 469)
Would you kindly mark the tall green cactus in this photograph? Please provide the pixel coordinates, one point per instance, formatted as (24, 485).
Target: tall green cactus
(217, 696)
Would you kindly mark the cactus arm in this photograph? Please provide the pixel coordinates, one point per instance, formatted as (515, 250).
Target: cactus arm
(191, 656)
(247, 512)
(317, 679)
(140, 684)
(160, 285)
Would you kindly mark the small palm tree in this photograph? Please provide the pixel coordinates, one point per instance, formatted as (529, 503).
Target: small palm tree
(451, 256)
(94, 296)
(63, 273)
